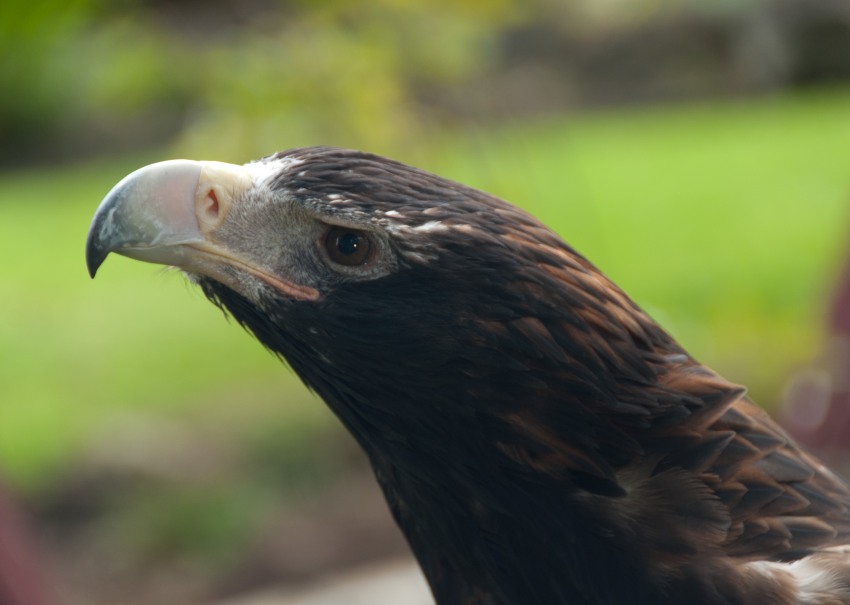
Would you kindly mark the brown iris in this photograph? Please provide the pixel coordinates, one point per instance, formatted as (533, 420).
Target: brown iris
(348, 246)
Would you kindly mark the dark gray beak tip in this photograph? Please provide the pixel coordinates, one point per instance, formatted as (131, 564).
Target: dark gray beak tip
(94, 258)
(96, 252)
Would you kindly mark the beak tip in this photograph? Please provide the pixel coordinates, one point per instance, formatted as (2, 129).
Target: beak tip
(95, 253)
(93, 263)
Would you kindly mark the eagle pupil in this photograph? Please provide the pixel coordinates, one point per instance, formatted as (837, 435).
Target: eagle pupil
(348, 244)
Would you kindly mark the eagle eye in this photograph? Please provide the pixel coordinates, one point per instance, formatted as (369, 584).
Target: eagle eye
(348, 247)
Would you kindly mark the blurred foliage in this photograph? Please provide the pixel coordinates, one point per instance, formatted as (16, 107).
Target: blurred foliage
(337, 73)
(77, 72)
(234, 77)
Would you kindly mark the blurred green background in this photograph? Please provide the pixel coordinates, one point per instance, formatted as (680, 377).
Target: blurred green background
(696, 151)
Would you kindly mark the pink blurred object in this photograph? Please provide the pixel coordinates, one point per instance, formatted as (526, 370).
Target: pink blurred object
(816, 406)
(22, 581)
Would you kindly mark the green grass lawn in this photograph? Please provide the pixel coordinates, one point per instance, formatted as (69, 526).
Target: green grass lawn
(726, 221)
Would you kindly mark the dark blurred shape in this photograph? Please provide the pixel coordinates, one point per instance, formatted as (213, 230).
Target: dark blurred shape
(686, 54)
(21, 579)
(822, 33)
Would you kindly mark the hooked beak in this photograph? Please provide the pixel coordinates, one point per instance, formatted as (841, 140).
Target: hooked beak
(169, 213)
(159, 212)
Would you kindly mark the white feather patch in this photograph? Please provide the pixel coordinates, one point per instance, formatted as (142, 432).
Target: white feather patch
(820, 578)
(430, 227)
(260, 171)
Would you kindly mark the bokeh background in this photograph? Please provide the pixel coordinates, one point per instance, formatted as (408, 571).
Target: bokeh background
(698, 151)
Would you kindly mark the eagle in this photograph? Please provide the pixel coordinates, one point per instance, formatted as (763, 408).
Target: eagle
(539, 439)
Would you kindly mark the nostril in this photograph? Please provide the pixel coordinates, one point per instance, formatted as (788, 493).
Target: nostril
(210, 206)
